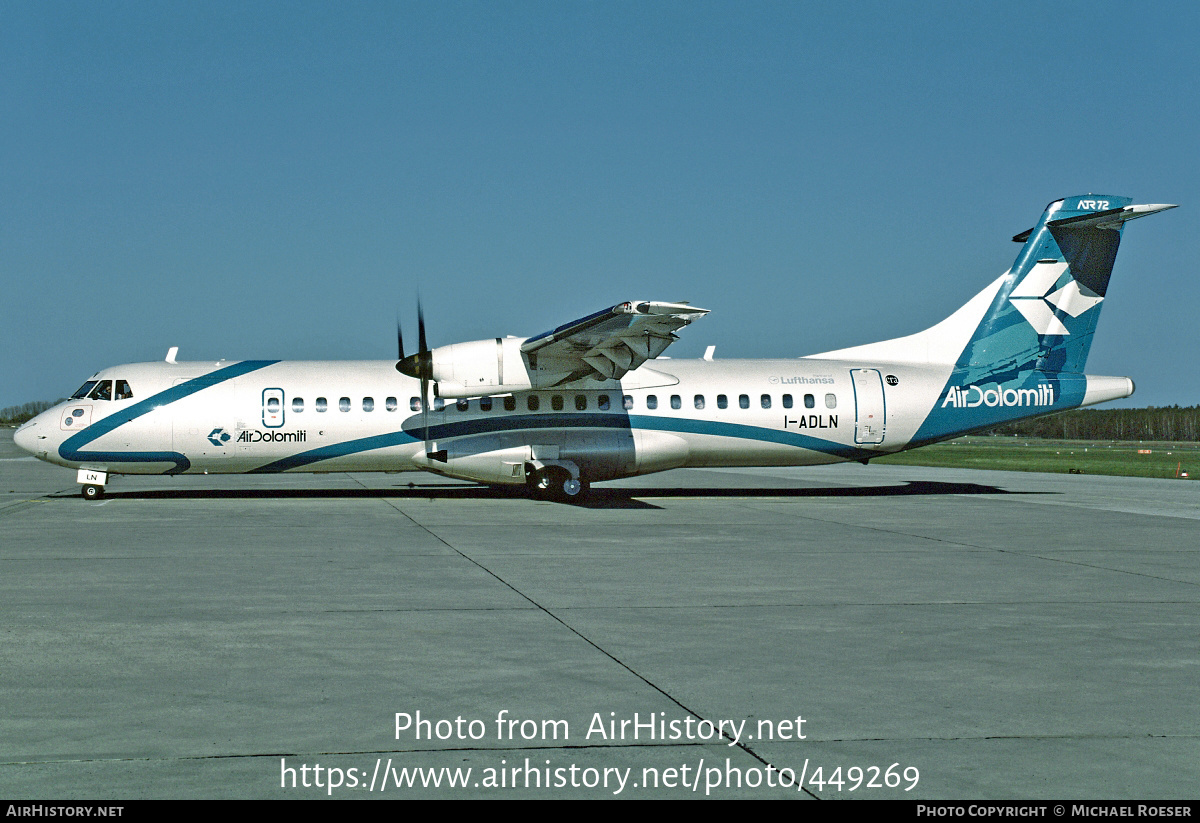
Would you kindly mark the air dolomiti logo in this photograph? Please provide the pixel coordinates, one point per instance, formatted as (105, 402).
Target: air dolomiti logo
(219, 437)
(257, 436)
(973, 396)
(1042, 305)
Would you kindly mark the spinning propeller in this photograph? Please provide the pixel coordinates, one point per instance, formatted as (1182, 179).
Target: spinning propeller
(420, 366)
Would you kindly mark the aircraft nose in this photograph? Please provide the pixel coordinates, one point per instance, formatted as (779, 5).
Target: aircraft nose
(26, 436)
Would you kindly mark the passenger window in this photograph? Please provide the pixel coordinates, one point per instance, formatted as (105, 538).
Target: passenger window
(297, 404)
(273, 405)
(722, 401)
(809, 401)
(322, 404)
(123, 391)
(463, 405)
(627, 402)
(699, 401)
(485, 404)
(602, 402)
(744, 401)
(344, 404)
(533, 403)
(831, 401)
(556, 402)
(581, 402)
(676, 402)
(439, 403)
(414, 404)
(390, 404)
(766, 401)
(103, 391)
(368, 404)
(652, 401)
(510, 404)
(787, 401)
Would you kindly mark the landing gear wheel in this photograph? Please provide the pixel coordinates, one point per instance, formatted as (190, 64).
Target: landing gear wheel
(556, 483)
(546, 483)
(575, 491)
(92, 492)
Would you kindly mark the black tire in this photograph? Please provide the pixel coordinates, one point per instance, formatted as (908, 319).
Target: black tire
(554, 483)
(91, 491)
(547, 482)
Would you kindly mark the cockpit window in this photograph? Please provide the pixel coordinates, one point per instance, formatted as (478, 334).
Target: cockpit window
(103, 391)
(123, 391)
(84, 389)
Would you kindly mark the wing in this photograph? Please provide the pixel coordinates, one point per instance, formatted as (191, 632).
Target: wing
(609, 343)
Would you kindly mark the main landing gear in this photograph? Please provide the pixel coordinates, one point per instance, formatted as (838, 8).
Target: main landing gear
(92, 492)
(556, 483)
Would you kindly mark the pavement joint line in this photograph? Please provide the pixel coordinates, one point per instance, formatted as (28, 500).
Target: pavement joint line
(403, 611)
(42, 497)
(904, 603)
(577, 633)
(963, 545)
(1075, 504)
(653, 744)
(368, 752)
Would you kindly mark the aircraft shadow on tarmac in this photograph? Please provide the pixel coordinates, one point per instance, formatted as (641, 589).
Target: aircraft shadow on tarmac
(599, 498)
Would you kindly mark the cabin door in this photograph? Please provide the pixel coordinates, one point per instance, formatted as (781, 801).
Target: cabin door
(870, 409)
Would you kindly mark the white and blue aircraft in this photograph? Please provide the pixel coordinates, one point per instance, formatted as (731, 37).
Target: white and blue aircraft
(592, 400)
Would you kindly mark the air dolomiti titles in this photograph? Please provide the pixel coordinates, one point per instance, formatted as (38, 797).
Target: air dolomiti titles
(973, 396)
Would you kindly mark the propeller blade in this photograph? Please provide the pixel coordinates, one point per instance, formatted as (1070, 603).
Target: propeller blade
(421, 365)
(422, 346)
(403, 364)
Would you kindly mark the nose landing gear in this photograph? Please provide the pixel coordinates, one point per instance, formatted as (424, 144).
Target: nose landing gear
(93, 483)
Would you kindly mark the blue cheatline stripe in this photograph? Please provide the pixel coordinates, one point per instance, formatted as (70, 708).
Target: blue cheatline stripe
(70, 448)
(445, 431)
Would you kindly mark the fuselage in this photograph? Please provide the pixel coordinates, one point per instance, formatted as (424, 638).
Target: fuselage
(316, 416)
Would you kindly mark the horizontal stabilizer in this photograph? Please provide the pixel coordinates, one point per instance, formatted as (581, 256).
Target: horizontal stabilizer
(1110, 218)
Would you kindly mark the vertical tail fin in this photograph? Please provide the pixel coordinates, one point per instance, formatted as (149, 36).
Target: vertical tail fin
(1045, 312)
(1028, 350)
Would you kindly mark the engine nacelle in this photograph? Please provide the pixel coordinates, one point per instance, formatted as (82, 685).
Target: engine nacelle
(480, 367)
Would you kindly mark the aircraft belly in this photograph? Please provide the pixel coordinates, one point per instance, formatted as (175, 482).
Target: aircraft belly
(718, 451)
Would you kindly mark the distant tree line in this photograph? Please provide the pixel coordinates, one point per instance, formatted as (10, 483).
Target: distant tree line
(1174, 423)
(15, 415)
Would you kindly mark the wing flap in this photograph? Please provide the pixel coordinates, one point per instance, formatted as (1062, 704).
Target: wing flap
(612, 342)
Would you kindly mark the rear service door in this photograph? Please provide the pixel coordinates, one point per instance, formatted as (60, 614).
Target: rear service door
(869, 406)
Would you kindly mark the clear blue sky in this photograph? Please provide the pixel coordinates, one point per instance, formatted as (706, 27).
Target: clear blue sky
(277, 180)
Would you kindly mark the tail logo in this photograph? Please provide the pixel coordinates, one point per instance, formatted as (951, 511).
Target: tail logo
(1043, 305)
